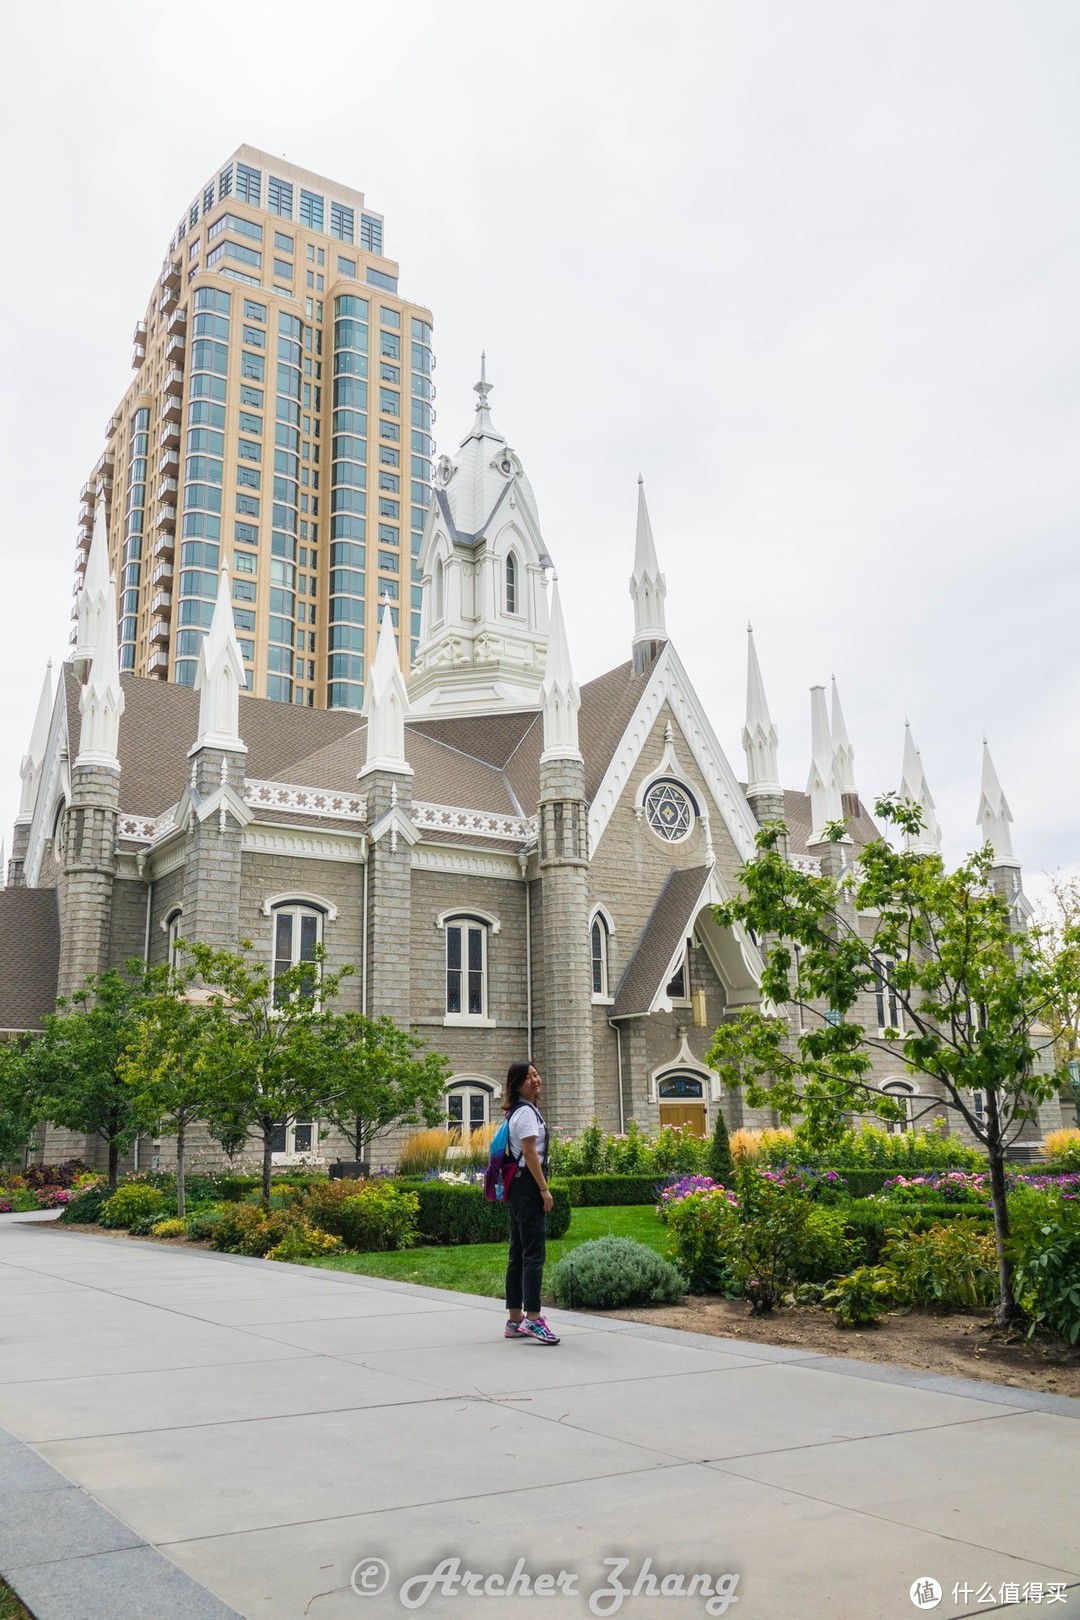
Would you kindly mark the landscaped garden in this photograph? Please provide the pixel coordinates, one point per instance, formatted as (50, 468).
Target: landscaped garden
(764, 1237)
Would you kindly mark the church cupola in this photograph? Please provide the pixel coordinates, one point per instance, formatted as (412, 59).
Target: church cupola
(648, 587)
(484, 613)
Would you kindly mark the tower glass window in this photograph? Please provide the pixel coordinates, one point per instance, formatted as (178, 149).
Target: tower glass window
(466, 968)
(297, 932)
(279, 197)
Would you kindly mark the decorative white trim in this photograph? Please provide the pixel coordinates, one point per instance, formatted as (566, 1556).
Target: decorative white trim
(175, 910)
(265, 839)
(465, 862)
(601, 911)
(297, 897)
(449, 818)
(806, 863)
(684, 1060)
(463, 1021)
(669, 684)
(470, 912)
(309, 801)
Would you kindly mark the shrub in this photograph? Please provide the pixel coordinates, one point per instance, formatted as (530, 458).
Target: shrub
(86, 1206)
(1061, 1149)
(949, 1186)
(202, 1226)
(721, 1166)
(247, 1229)
(953, 1264)
(234, 1189)
(675, 1149)
(748, 1147)
(862, 1297)
(171, 1227)
(305, 1242)
(609, 1272)
(366, 1215)
(1045, 1243)
(131, 1202)
(676, 1191)
(68, 1174)
(17, 1200)
(590, 1192)
(427, 1150)
(872, 1147)
(703, 1232)
(450, 1213)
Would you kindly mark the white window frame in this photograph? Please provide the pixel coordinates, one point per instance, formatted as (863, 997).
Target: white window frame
(602, 920)
(462, 922)
(467, 1086)
(170, 927)
(885, 999)
(512, 585)
(290, 1153)
(297, 906)
(902, 1090)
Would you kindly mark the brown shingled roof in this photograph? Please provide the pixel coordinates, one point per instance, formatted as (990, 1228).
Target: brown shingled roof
(860, 823)
(29, 956)
(668, 923)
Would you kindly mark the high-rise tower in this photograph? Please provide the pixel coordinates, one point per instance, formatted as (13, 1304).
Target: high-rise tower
(279, 422)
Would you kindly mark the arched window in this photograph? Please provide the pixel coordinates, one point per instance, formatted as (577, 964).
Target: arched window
(173, 930)
(599, 939)
(438, 591)
(511, 582)
(297, 934)
(466, 967)
(905, 1093)
(468, 1105)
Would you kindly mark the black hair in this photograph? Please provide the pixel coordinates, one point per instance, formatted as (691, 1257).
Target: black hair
(516, 1076)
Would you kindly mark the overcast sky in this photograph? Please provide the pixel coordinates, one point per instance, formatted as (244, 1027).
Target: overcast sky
(812, 268)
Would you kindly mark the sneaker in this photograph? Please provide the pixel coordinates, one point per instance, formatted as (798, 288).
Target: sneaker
(512, 1329)
(538, 1330)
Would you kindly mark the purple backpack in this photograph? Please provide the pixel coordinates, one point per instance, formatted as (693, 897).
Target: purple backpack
(502, 1165)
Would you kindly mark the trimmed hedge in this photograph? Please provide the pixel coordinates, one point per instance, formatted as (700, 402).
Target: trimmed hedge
(459, 1214)
(870, 1224)
(589, 1192)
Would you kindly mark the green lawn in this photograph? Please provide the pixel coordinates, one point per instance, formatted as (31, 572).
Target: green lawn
(10, 1607)
(480, 1268)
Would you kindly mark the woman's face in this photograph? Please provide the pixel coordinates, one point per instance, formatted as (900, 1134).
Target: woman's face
(530, 1090)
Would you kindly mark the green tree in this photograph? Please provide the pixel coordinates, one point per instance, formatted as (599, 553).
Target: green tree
(264, 1050)
(166, 1066)
(721, 1165)
(1057, 918)
(382, 1078)
(73, 1069)
(973, 990)
(17, 1112)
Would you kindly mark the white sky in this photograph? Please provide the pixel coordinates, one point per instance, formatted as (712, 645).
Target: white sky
(812, 268)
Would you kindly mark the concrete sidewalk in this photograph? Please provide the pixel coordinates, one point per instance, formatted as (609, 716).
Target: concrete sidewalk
(192, 1436)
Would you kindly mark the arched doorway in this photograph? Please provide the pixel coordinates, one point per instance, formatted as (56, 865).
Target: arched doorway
(681, 1098)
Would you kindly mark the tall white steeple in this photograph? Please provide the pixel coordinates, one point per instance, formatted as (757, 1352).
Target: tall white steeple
(30, 768)
(102, 699)
(822, 784)
(483, 622)
(386, 705)
(561, 695)
(97, 592)
(913, 787)
(994, 815)
(219, 677)
(843, 753)
(648, 587)
(759, 734)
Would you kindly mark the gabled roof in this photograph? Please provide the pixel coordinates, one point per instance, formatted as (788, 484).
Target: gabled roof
(670, 921)
(861, 826)
(29, 956)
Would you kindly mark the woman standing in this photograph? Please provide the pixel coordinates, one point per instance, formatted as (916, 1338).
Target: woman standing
(529, 1201)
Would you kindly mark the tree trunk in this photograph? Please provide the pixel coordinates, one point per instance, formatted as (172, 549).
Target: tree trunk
(180, 1206)
(114, 1159)
(358, 1139)
(1006, 1313)
(268, 1138)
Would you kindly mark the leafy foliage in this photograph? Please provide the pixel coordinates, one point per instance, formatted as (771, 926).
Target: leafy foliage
(610, 1272)
(862, 1297)
(720, 1163)
(366, 1215)
(383, 1078)
(1046, 1249)
(132, 1202)
(953, 1264)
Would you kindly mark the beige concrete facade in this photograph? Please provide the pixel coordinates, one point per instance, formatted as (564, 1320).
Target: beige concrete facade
(279, 419)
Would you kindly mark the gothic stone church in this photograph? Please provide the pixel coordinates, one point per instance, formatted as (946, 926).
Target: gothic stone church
(514, 865)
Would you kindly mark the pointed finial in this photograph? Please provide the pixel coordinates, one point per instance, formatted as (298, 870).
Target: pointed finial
(219, 676)
(648, 587)
(386, 703)
(822, 785)
(561, 696)
(483, 387)
(994, 814)
(914, 788)
(759, 734)
(843, 752)
(640, 479)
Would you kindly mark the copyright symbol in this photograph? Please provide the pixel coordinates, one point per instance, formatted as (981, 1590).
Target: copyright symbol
(369, 1578)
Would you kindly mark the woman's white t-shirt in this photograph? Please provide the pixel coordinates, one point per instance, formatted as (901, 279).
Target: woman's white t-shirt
(527, 1121)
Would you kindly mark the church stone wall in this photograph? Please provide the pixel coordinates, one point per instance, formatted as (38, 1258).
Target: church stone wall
(339, 882)
(127, 924)
(168, 894)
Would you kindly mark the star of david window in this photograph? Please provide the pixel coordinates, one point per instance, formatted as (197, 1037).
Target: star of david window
(670, 812)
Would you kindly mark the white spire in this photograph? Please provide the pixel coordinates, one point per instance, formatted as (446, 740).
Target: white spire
(759, 734)
(219, 677)
(822, 785)
(843, 753)
(102, 699)
(97, 593)
(386, 705)
(648, 586)
(994, 814)
(30, 769)
(913, 787)
(560, 695)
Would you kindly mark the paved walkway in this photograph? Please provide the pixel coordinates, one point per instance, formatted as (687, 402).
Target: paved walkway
(192, 1436)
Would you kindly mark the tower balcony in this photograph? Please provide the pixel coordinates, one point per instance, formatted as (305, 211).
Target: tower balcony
(172, 275)
(87, 492)
(168, 463)
(166, 489)
(165, 517)
(139, 335)
(174, 378)
(175, 349)
(165, 545)
(158, 661)
(161, 606)
(171, 407)
(162, 574)
(170, 432)
(138, 356)
(159, 630)
(86, 512)
(107, 460)
(178, 321)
